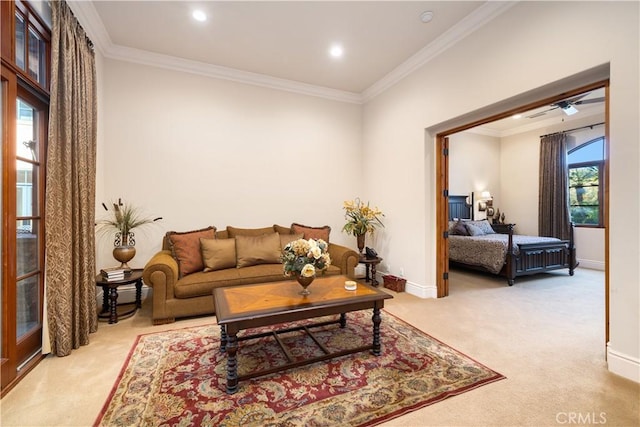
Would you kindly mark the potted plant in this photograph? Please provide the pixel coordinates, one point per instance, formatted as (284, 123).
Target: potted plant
(123, 219)
(361, 219)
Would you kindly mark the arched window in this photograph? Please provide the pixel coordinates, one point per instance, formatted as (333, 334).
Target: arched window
(586, 166)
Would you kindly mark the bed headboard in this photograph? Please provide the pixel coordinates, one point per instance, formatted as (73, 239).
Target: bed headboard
(458, 207)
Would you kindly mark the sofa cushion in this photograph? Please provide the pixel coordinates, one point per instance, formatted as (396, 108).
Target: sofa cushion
(185, 248)
(282, 230)
(287, 238)
(202, 284)
(234, 231)
(253, 250)
(218, 254)
(312, 232)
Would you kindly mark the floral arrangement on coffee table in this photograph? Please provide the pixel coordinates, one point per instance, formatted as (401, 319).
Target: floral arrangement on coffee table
(305, 257)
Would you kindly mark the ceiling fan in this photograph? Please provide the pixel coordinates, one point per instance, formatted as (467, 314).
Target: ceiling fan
(568, 105)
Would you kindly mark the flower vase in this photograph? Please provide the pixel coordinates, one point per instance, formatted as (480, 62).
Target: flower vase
(124, 249)
(305, 281)
(360, 238)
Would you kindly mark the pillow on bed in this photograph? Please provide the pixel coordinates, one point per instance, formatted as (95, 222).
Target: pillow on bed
(482, 225)
(474, 230)
(459, 229)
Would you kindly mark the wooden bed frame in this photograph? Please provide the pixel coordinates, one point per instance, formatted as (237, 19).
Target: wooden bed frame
(533, 258)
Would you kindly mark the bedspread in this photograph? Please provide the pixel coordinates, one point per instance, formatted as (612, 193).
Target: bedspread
(489, 250)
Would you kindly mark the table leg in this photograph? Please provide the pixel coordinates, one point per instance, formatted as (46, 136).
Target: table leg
(105, 299)
(232, 363)
(113, 305)
(223, 339)
(374, 281)
(343, 320)
(139, 293)
(376, 350)
(366, 269)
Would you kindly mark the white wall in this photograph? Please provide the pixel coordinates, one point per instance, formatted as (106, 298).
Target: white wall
(525, 48)
(199, 151)
(474, 166)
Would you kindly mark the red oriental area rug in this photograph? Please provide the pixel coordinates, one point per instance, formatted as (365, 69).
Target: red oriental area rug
(179, 378)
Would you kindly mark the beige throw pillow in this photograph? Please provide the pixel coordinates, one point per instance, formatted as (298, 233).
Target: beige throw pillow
(218, 254)
(253, 250)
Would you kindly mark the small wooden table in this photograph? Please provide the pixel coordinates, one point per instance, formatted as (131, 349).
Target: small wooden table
(110, 295)
(251, 306)
(373, 263)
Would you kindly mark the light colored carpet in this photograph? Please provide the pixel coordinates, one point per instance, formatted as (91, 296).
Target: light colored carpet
(545, 334)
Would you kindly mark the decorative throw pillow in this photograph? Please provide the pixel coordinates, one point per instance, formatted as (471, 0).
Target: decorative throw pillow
(312, 232)
(483, 225)
(218, 254)
(474, 230)
(459, 229)
(185, 248)
(286, 238)
(253, 250)
(234, 231)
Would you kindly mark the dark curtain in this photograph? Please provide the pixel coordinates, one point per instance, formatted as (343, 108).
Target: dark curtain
(553, 201)
(70, 193)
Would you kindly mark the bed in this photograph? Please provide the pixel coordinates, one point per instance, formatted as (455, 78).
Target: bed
(507, 254)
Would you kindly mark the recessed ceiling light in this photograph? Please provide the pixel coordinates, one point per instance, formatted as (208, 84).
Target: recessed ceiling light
(336, 51)
(426, 16)
(199, 15)
(517, 116)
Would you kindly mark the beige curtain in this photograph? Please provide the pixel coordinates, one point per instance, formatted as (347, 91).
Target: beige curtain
(70, 192)
(553, 202)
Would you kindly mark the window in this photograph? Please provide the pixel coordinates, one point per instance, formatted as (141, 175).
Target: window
(586, 167)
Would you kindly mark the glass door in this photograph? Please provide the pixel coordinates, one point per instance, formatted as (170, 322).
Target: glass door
(31, 130)
(25, 129)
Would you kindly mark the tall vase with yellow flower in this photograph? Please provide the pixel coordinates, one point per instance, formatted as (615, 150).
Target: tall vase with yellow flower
(361, 219)
(303, 259)
(122, 220)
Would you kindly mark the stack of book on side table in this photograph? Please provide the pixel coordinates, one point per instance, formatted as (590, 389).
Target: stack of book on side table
(115, 273)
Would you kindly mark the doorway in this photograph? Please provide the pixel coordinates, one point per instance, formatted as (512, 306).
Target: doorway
(24, 127)
(443, 184)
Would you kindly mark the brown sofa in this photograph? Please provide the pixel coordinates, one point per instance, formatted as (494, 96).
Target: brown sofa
(190, 265)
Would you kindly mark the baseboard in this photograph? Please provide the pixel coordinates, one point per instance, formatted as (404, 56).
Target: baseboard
(415, 289)
(126, 294)
(421, 291)
(591, 264)
(623, 365)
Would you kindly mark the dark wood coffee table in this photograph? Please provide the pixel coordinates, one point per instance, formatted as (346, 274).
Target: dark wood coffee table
(251, 306)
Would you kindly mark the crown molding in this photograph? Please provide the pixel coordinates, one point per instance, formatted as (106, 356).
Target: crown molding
(453, 35)
(210, 70)
(93, 25)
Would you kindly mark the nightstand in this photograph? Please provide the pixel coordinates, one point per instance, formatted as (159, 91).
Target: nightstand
(503, 228)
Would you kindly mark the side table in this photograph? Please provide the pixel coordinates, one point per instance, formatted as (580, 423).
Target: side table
(370, 263)
(110, 295)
